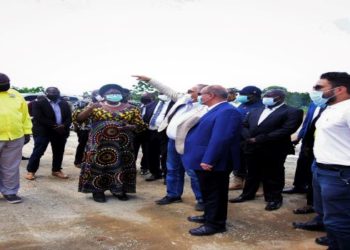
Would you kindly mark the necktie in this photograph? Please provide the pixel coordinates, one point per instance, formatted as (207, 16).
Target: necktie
(156, 114)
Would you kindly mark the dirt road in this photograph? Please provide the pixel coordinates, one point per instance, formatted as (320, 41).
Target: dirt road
(54, 215)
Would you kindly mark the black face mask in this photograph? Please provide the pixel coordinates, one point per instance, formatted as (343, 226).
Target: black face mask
(4, 87)
(53, 97)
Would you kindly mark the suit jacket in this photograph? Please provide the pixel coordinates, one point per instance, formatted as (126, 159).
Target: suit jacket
(184, 127)
(214, 139)
(273, 133)
(180, 102)
(307, 121)
(150, 108)
(44, 119)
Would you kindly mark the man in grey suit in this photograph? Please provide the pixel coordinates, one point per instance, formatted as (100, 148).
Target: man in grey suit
(185, 107)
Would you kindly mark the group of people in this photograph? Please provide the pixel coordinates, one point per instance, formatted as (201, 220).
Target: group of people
(209, 133)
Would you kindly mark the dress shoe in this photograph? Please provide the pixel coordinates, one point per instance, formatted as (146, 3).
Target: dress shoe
(323, 240)
(99, 197)
(121, 197)
(25, 158)
(168, 200)
(60, 174)
(294, 190)
(273, 205)
(240, 199)
(197, 219)
(206, 230)
(30, 176)
(154, 177)
(199, 206)
(304, 210)
(310, 226)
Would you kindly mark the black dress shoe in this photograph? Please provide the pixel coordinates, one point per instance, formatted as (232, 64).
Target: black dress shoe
(154, 177)
(294, 190)
(240, 199)
(323, 240)
(121, 197)
(99, 197)
(168, 200)
(310, 226)
(206, 230)
(273, 205)
(197, 219)
(304, 210)
(25, 158)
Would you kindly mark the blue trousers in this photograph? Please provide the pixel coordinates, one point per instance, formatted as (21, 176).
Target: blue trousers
(176, 175)
(332, 196)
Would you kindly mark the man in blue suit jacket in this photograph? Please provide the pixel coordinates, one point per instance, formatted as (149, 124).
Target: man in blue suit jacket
(211, 149)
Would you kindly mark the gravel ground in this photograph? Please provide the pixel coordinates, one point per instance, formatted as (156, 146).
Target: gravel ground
(54, 215)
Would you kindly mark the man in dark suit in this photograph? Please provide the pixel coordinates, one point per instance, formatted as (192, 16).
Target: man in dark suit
(157, 142)
(51, 123)
(267, 133)
(212, 149)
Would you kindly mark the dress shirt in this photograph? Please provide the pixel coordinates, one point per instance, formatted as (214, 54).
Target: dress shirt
(161, 115)
(181, 115)
(57, 110)
(267, 111)
(332, 137)
(211, 107)
(15, 121)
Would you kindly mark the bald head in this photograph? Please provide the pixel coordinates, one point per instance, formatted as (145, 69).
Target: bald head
(276, 93)
(213, 94)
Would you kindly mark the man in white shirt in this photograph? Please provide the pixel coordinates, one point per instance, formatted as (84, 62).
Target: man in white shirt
(331, 171)
(185, 107)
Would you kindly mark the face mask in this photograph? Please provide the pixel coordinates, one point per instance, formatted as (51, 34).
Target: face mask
(114, 97)
(318, 99)
(268, 101)
(4, 87)
(200, 100)
(163, 98)
(53, 97)
(242, 98)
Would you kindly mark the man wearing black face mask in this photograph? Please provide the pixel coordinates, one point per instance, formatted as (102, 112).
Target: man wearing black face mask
(51, 123)
(15, 130)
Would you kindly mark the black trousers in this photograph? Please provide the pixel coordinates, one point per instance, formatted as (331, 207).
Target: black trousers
(266, 167)
(140, 140)
(83, 136)
(157, 152)
(242, 170)
(57, 142)
(214, 188)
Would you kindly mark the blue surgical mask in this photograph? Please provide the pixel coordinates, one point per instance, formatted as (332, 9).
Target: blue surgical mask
(318, 99)
(200, 100)
(242, 98)
(268, 101)
(114, 97)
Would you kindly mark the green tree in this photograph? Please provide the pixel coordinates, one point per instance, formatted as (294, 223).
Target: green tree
(139, 88)
(30, 90)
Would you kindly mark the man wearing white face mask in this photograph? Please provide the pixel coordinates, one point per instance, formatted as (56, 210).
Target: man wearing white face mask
(155, 113)
(186, 107)
(267, 132)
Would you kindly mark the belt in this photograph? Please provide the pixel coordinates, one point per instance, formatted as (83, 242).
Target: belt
(332, 167)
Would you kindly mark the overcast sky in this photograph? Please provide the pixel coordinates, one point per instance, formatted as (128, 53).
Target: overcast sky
(80, 45)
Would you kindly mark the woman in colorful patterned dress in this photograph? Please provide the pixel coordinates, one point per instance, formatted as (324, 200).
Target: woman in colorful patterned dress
(109, 161)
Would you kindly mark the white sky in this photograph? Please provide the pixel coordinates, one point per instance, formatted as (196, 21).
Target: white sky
(79, 45)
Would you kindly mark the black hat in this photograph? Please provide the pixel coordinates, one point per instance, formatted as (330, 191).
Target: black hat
(107, 87)
(250, 90)
(4, 78)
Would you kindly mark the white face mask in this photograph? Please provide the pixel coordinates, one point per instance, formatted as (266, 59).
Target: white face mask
(163, 98)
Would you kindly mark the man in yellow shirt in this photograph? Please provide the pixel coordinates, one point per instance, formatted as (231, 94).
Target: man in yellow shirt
(15, 129)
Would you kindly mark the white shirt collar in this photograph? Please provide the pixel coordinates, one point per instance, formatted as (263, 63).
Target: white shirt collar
(211, 107)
